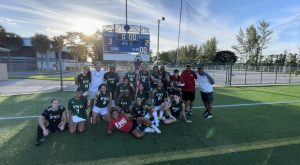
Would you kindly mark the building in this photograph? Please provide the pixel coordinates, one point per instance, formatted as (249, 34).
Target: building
(28, 59)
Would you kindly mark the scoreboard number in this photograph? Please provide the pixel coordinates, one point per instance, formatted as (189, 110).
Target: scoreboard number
(109, 41)
(143, 50)
(146, 42)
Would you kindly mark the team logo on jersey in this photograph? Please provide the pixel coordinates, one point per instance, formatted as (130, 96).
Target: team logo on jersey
(121, 123)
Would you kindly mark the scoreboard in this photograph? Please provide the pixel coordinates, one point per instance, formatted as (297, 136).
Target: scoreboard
(122, 42)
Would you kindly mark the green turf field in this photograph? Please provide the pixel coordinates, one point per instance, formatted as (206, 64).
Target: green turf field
(242, 134)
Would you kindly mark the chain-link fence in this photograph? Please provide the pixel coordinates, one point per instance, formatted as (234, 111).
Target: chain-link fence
(224, 75)
(242, 74)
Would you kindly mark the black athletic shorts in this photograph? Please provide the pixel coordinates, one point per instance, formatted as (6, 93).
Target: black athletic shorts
(134, 125)
(207, 97)
(188, 96)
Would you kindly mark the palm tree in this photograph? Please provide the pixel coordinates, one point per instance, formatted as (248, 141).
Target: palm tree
(41, 44)
(58, 45)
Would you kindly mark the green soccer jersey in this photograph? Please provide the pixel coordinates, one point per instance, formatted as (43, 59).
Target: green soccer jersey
(144, 78)
(84, 82)
(132, 78)
(138, 111)
(144, 95)
(155, 76)
(124, 102)
(111, 79)
(102, 100)
(122, 88)
(159, 96)
(78, 107)
(176, 109)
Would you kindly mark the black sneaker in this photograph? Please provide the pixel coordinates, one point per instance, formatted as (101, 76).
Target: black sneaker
(189, 113)
(208, 116)
(39, 142)
(205, 113)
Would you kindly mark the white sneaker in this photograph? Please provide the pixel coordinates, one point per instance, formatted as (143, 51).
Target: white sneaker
(157, 123)
(149, 130)
(156, 129)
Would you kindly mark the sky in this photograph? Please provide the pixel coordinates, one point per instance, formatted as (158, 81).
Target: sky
(200, 21)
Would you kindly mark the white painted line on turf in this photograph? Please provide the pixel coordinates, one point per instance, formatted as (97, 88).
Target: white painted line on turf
(19, 117)
(172, 156)
(216, 106)
(249, 104)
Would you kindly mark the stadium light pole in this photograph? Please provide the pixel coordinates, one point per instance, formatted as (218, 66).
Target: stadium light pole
(158, 27)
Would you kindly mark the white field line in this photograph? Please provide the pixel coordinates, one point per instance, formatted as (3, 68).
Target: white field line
(250, 104)
(216, 106)
(168, 157)
(18, 117)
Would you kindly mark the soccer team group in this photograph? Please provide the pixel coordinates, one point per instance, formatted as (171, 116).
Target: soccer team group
(136, 104)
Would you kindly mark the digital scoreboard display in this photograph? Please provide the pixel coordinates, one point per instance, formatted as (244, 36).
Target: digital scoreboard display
(118, 42)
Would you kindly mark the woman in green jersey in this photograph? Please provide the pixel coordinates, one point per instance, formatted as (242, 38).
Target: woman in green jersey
(102, 104)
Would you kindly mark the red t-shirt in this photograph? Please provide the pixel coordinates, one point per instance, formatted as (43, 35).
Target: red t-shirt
(121, 122)
(188, 78)
(176, 79)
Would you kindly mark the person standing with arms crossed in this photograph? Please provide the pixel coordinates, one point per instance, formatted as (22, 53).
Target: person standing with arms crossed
(188, 77)
(205, 82)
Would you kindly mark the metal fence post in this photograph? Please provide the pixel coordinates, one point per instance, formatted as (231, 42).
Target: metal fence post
(261, 73)
(275, 74)
(230, 78)
(290, 74)
(61, 79)
(246, 74)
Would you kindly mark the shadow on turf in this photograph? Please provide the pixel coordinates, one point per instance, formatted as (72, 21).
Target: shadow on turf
(229, 126)
(22, 105)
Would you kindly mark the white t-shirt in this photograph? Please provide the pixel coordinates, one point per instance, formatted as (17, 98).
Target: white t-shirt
(97, 78)
(204, 83)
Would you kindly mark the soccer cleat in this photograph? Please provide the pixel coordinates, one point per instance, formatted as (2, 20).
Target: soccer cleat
(39, 142)
(205, 113)
(156, 129)
(208, 116)
(160, 118)
(149, 130)
(190, 113)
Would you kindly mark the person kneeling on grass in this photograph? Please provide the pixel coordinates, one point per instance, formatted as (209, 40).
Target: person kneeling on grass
(53, 119)
(126, 124)
(102, 105)
(175, 110)
(77, 109)
(142, 110)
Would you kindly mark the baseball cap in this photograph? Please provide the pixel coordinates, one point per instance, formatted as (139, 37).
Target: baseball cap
(188, 65)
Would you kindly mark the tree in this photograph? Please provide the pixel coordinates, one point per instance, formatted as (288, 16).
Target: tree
(2, 34)
(57, 46)
(280, 59)
(225, 56)
(291, 59)
(77, 42)
(96, 44)
(41, 44)
(210, 49)
(251, 43)
(13, 42)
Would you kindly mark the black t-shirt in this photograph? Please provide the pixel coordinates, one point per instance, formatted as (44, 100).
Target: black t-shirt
(53, 117)
(176, 109)
(159, 96)
(138, 110)
(124, 103)
(112, 79)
